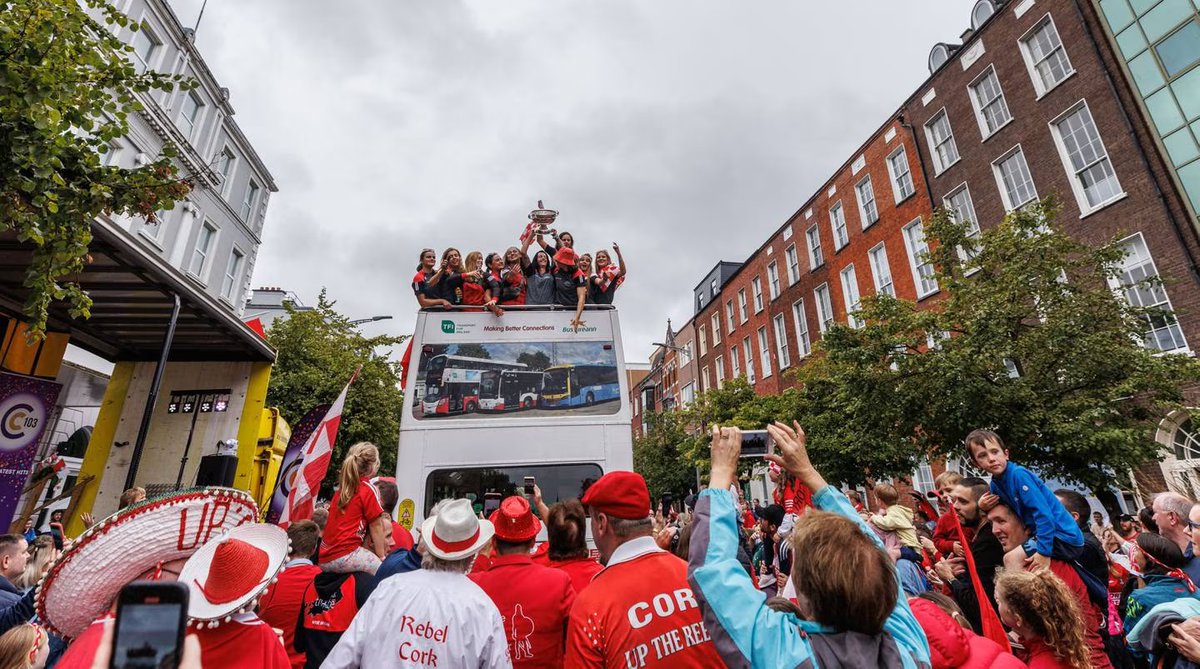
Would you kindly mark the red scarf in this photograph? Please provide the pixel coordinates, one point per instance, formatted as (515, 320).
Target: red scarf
(607, 275)
(992, 627)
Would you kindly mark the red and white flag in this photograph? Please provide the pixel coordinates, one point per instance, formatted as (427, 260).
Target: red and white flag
(317, 452)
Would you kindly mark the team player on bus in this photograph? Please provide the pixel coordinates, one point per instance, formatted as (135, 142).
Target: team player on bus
(354, 512)
(420, 282)
(562, 239)
(513, 273)
(570, 284)
(608, 277)
(446, 283)
(539, 280)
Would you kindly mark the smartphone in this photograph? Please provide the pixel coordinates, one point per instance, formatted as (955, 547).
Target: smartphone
(665, 504)
(529, 483)
(151, 620)
(756, 443)
(491, 502)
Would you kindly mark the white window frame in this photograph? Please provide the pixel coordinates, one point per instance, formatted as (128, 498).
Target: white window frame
(715, 320)
(182, 120)
(735, 364)
(824, 302)
(897, 179)
(816, 257)
(881, 273)
(748, 349)
(156, 49)
(719, 365)
(837, 223)
(851, 296)
(973, 231)
(940, 164)
(756, 286)
(800, 318)
(206, 254)
(742, 312)
(773, 280)
(705, 380)
(764, 351)
(998, 173)
(779, 322)
(867, 218)
(111, 157)
(914, 263)
(1039, 85)
(250, 201)
(980, 118)
(1073, 175)
(1119, 288)
(703, 336)
(793, 264)
(229, 168)
(730, 314)
(228, 292)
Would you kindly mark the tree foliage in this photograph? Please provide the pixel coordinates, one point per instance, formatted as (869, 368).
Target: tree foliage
(67, 88)
(1027, 337)
(318, 352)
(536, 360)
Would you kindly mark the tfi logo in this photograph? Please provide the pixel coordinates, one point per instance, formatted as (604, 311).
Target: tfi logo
(448, 327)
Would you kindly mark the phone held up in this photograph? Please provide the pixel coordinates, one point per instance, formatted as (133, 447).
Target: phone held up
(529, 483)
(151, 621)
(756, 443)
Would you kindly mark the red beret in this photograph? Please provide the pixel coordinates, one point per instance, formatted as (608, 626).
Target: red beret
(620, 495)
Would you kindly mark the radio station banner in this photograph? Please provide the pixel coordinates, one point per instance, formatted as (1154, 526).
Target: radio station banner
(292, 461)
(26, 405)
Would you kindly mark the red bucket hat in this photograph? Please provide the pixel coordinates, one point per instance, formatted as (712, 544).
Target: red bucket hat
(514, 521)
(620, 495)
(566, 256)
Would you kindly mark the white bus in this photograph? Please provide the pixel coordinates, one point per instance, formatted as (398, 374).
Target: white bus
(487, 455)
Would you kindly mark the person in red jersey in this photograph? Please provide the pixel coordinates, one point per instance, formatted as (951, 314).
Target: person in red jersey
(355, 511)
(420, 283)
(639, 610)
(533, 600)
(280, 604)
(566, 532)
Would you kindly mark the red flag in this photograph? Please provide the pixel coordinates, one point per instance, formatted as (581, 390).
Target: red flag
(404, 360)
(256, 324)
(992, 627)
(317, 452)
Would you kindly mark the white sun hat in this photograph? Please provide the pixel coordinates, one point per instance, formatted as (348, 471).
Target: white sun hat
(86, 579)
(456, 532)
(227, 574)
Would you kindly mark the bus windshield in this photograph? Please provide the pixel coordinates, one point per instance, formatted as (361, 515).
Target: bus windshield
(490, 484)
(489, 384)
(556, 381)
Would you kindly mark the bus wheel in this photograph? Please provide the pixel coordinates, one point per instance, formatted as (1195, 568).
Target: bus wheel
(591, 399)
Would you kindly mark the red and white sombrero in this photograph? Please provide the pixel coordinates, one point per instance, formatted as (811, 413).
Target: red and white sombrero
(227, 574)
(82, 584)
(456, 532)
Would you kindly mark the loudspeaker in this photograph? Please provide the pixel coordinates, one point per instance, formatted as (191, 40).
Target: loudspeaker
(217, 470)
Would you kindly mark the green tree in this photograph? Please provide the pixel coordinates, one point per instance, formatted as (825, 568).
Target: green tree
(536, 360)
(318, 352)
(473, 351)
(67, 88)
(659, 458)
(1027, 337)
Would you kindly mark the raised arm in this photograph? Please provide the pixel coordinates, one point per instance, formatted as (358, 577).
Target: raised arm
(620, 260)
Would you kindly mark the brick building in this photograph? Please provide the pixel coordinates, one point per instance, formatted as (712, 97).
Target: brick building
(1036, 100)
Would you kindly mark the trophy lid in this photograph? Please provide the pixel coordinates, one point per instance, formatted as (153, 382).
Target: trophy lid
(542, 212)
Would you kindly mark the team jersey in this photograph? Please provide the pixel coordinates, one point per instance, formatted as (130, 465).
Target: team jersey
(566, 284)
(347, 527)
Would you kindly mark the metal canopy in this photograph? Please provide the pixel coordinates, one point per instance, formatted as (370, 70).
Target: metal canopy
(131, 291)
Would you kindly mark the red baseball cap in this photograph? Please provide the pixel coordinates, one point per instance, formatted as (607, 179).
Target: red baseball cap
(514, 521)
(566, 256)
(620, 495)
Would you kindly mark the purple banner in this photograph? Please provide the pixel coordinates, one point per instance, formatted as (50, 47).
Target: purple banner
(26, 405)
(292, 460)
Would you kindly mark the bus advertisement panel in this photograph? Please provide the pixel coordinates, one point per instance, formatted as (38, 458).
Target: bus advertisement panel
(494, 401)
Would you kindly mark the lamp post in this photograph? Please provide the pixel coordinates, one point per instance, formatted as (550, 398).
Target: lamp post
(372, 319)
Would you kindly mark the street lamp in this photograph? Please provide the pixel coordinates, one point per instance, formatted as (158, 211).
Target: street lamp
(372, 319)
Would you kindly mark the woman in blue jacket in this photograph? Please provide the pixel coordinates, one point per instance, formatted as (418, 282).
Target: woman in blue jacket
(1161, 563)
(852, 612)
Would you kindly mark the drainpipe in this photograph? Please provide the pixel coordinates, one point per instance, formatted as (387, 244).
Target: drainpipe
(1141, 150)
(920, 158)
(136, 459)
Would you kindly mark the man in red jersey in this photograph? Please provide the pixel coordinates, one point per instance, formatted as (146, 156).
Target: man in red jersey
(639, 610)
(280, 604)
(533, 600)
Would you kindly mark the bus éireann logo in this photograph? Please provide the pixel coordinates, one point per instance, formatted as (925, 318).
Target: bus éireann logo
(448, 327)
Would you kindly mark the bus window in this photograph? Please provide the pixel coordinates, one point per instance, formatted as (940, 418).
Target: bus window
(557, 482)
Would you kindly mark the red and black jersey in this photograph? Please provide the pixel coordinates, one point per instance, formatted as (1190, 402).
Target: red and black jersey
(512, 279)
(420, 283)
(567, 281)
(330, 603)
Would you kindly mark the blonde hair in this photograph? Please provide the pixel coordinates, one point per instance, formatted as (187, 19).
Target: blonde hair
(18, 643)
(41, 554)
(886, 493)
(361, 460)
(472, 260)
(1050, 610)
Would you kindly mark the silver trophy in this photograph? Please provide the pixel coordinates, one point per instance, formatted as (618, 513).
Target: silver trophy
(542, 219)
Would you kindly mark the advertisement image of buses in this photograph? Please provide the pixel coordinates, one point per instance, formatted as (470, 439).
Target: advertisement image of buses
(457, 385)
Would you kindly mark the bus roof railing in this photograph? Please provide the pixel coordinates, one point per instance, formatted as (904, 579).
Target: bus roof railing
(521, 307)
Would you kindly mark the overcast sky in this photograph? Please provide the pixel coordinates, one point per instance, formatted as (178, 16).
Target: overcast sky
(685, 130)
